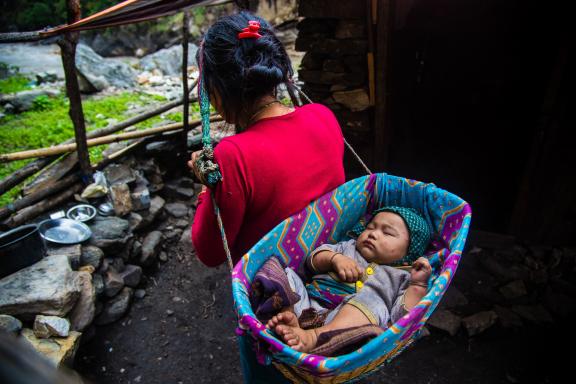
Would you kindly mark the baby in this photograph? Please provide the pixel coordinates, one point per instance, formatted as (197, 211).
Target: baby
(379, 293)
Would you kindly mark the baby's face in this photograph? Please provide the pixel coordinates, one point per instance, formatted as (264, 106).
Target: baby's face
(385, 239)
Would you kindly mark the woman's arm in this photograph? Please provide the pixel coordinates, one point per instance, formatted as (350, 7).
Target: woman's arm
(230, 195)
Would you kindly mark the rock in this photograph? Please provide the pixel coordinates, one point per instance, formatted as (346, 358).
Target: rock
(94, 191)
(47, 326)
(119, 174)
(73, 253)
(156, 206)
(502, 270)
(46, 77)
(60, 351)
(109, 233)
(560, 304)
(177, 209)
(163, 257)
(25, 100)
(176, 191)
(115, 308)
(10, 324)
(121, 199)
(91, 255)
(99, 71)
(132, 275)
(150, 247)
(83, 313)
(117, 263)
(186, 238)
(140, 198)
(98, 283)
(113, 283)
(182, 223)
(535, 314)
(161, 147)
(445, 321)
(453, 298)
(48, 287)
(355, 100)
(168, 60)
(136, 250)
(479, 322)
(507, 318)
(140, 293)
(513, 290)
(87, 268)
(135, 221)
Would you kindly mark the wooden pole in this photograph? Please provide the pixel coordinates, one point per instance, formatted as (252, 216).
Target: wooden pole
(185, 92)
(68, 48)
(98, 141)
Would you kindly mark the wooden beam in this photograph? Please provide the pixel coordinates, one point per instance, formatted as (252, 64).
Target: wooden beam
(68, 47)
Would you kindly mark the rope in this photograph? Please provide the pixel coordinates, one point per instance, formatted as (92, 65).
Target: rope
(223, 234)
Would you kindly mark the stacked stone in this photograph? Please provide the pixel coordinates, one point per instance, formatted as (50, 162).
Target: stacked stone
(334, 69)
(60, 300)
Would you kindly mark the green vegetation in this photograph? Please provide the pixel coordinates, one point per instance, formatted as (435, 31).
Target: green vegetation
(14, 84)
(49, 124)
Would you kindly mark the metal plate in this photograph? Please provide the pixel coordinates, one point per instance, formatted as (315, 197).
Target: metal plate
(64, 231)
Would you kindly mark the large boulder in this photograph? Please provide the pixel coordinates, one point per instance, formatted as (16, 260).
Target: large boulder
(169, 60)
(49, 287)
(100, 72)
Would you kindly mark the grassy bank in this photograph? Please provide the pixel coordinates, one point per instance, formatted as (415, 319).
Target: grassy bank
(49, 124)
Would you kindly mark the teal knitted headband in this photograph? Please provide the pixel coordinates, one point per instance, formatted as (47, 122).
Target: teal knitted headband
(420, 234)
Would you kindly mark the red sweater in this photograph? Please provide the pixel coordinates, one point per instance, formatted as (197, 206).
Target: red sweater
(270, 171)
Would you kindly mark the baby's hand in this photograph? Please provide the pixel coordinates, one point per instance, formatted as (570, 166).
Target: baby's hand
(421, 271)
(346, 268)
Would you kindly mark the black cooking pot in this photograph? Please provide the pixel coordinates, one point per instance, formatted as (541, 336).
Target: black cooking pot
(19, 248)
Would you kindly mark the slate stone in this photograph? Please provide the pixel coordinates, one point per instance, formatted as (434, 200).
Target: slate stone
(177, 210)
(479, 322)
(113, 282)
(10, 324)
(150, 247)
(83, 312)
(49, 287)
(91, 255)
(109, 233)
(132, 275)
(445, 321)
(59, 351)
(115, 308)
(47, 326)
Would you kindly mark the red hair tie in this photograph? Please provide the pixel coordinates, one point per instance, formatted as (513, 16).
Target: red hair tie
(251, 31)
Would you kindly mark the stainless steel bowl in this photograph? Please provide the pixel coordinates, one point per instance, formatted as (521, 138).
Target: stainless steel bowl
(64, 231)
(82, 212)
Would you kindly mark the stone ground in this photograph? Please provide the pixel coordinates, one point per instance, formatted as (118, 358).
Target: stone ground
(182, 331)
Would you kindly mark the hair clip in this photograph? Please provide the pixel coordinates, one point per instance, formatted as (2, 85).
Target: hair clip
(251, 31)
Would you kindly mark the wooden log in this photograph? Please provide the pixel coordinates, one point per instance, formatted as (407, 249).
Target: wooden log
(23, 173)
(51, 175)
(98, 141)
(68, 48)
(37, 209)
(34, 198)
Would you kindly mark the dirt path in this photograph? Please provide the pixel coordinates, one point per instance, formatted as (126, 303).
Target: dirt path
(182, 331)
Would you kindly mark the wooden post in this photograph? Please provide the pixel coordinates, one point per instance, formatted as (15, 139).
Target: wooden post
(185, 95)
(68, 48)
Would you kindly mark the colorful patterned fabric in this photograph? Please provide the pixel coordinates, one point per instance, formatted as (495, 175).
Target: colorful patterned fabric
(327, 220)
(271, 291)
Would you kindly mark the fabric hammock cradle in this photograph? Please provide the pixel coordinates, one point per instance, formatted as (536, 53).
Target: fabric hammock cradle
(327, 220)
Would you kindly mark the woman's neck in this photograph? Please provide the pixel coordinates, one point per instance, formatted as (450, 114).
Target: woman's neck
(267, 106)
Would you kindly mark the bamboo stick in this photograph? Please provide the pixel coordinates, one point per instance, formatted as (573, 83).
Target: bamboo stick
(59, 149)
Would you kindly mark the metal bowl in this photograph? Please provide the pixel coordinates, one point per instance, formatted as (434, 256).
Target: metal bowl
(82, 212)
(64, 231)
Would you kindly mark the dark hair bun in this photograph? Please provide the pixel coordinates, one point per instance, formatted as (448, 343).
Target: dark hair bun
(261, 77)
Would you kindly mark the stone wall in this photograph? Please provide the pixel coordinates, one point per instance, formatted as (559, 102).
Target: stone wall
(334, 69)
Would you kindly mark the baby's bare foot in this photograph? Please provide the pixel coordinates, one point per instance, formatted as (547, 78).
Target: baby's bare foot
(287, 318)
(288, 329)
